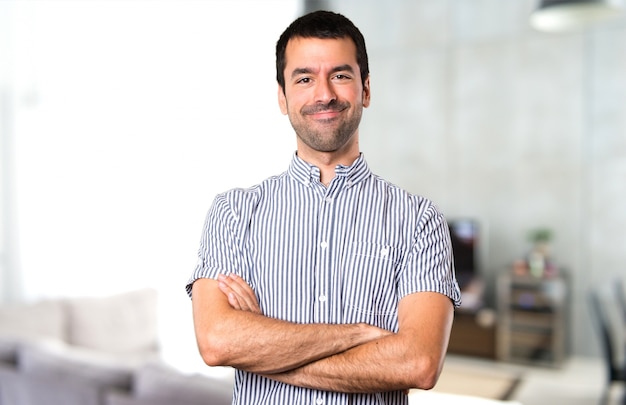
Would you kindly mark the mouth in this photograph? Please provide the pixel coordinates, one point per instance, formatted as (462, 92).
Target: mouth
(325, 115)
(325, 112)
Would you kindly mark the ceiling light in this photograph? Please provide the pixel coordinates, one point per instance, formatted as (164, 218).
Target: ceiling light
(572, 15)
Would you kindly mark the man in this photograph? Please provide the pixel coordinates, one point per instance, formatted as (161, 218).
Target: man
(325, 284)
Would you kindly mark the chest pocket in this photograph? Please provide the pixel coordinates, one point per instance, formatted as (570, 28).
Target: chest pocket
(370, 284)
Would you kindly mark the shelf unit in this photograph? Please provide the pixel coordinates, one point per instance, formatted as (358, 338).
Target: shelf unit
(473, 333)
(532, 319)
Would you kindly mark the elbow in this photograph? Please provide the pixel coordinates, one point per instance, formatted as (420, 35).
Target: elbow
(211, 356)
(424, 373)
(213, 350)
(427, 381)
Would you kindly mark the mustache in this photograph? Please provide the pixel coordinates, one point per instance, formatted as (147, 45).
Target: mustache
(333, 105)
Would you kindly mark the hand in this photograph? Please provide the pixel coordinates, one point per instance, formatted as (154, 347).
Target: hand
(240, 295)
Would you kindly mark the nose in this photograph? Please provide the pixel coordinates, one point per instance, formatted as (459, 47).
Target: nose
(324, 92)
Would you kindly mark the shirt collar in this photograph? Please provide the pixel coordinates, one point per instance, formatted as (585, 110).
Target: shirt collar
(307, 173)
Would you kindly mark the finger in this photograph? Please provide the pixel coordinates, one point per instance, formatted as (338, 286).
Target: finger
(235, 298)
(230, 295)
(237, 302)
(240, 285)
(245, 294)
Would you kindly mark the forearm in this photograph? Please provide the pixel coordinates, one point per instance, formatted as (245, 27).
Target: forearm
(255, 343)
(412, 358)
(381, 365)
(265, 345)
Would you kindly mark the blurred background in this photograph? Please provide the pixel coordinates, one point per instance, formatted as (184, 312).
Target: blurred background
(121, 120)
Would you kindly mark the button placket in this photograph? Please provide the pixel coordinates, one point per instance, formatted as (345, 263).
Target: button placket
(323, 265)
(322, 297)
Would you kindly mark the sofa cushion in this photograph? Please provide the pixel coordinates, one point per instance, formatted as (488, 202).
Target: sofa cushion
(10, 346)
(30, 322)
(123, 323)
(63, 362)
(8, 350)
(161, 382)
(45, 319)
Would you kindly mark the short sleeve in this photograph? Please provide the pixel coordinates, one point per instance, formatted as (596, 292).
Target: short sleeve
(429, 266)
(219, 251)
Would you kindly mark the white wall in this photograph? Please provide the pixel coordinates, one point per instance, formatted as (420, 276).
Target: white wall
(516, 128)
(129, 117)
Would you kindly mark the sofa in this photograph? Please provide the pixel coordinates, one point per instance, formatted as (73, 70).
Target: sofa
(94, 351)
(105, 351)
(417, 397)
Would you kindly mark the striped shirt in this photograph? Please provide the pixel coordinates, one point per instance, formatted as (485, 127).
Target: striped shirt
(346, 253)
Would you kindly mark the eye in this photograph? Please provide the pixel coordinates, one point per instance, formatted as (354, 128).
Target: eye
(304, 80)
(341, 76)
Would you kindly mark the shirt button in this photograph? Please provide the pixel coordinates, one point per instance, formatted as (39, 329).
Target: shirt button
(324, 245)
(322, 298)
(319, 401)
(384, 251)
(328, 199)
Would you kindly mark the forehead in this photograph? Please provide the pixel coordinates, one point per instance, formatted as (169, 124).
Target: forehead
(318, 52)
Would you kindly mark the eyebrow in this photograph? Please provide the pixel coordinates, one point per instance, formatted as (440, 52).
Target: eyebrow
(340, 68)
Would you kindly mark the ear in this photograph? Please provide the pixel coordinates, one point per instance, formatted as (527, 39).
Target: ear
(366, 92)
(282, 100)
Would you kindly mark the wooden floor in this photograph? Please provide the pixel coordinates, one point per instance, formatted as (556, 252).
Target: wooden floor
(580, 381)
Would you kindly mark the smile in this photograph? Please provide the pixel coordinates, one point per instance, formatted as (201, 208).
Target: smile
(325, 115)
(325, 111)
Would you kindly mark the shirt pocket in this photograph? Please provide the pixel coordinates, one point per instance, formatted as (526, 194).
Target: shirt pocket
(370, 284)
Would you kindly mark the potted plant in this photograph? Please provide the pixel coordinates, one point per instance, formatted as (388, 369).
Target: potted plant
(538, 258)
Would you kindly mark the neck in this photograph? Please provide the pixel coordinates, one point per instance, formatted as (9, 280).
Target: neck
(328, 161)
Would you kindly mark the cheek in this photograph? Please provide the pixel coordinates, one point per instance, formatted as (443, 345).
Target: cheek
(294, 102)
(354, 95)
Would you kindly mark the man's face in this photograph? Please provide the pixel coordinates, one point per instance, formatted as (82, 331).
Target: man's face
(323, 96)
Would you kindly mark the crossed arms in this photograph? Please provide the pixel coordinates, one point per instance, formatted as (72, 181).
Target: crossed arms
(231, 331)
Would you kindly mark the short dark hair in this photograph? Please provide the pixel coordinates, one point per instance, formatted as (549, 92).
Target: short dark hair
(321, 24)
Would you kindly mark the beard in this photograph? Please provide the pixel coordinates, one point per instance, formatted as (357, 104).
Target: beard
(326, 135)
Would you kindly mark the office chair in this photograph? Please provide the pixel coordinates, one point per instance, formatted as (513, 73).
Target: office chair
(616, 369)
(621, 297)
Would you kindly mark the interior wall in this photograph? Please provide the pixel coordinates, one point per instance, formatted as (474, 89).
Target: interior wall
(516, 128)
(126, 119)
(10, 278)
